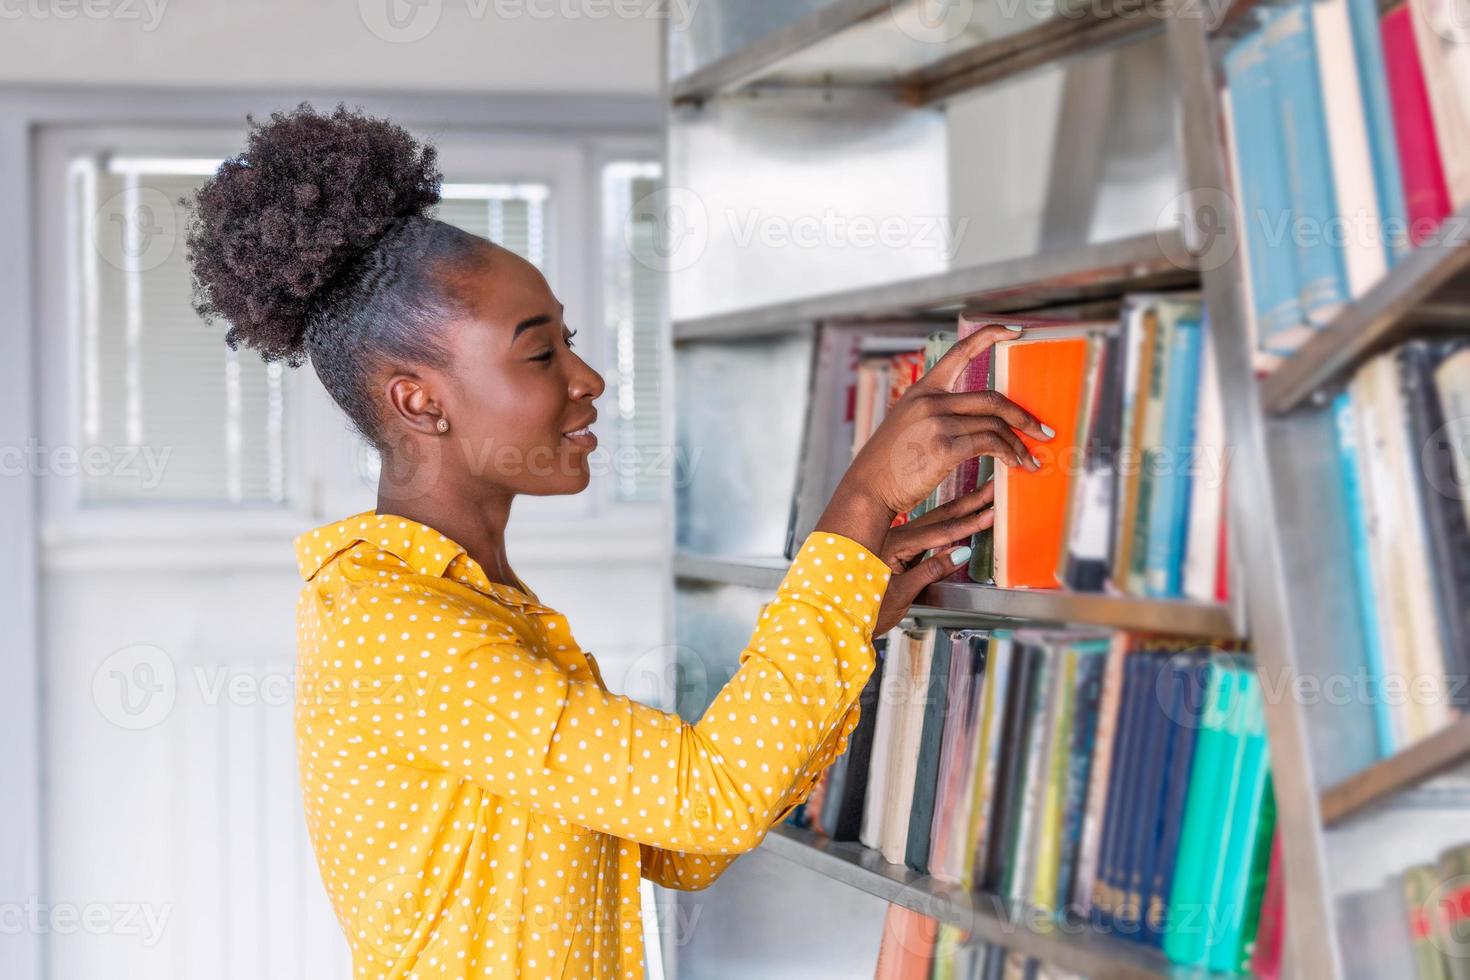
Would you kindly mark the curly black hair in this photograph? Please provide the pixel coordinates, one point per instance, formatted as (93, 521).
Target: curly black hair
(316, 241)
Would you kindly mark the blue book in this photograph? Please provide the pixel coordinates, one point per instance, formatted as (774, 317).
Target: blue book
(1188, 687)
(1264, 196)
(1357, 517)
(1116, 853)
(1388, 179)
(1291, 45)
(1151, 763)
(1168, 518)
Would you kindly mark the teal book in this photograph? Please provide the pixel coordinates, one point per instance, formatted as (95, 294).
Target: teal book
(1301, 116)
(1242, 845)
(1210, 793)
(1264, 195)
(1370, 627)
(1151, 404)
(1168, 519)
(1388, 180)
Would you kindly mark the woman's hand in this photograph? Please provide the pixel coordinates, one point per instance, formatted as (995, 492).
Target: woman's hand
(948, 529)
(927, 433)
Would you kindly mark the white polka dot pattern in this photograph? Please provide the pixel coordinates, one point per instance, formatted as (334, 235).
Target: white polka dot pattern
(474, 793)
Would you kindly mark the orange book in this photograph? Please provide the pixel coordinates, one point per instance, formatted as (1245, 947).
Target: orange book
(1043, 372)
(906, 951)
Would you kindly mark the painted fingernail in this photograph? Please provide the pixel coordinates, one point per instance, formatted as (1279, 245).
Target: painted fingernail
(1035, 463)
(1016, 327)
(1048, 431)
(960, 555)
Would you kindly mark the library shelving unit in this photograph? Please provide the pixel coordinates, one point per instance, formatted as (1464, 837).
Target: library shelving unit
(843, 104)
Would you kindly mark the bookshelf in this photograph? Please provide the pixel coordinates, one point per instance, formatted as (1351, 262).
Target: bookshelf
(848, 69)
(992, 920)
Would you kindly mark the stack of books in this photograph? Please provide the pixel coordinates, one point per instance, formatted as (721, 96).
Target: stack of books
(1403, 429)
(1349, 137)
(1086, 777)
(915, 947)
(1414, 925)
(1130, 494)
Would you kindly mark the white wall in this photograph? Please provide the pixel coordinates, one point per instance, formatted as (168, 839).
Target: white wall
(605, 46)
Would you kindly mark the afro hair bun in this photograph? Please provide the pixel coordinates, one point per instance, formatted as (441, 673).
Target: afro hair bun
(278, 227)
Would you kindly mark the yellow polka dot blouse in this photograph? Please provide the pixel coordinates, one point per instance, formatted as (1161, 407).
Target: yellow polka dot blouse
(481, 806)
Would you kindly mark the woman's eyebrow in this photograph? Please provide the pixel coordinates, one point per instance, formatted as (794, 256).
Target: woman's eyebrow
(530, 322)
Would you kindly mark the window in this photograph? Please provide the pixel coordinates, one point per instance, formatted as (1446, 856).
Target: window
(511, 215)
(157, 385)
(633, 305)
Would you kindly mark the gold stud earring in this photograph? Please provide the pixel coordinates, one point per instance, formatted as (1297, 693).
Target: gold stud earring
(442, 425)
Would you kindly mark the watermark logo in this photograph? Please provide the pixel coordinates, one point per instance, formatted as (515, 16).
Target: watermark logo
(1206, 216)
(400, 21)
(135, 687)
(667, 230)
(932, 21)
(135, 230)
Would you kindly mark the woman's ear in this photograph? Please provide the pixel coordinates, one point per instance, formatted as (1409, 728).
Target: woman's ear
(413, 403)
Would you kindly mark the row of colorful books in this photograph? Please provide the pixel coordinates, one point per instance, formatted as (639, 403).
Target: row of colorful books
(1349, 137)
(1108, 779)
(916, 947)
(1130, 493)
(1403, 429)
(1414, 925)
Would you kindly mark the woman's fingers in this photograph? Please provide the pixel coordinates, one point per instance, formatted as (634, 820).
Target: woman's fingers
(947, 370)
(967, 503)
(912, 539)
(990, 436)
(982, 403)
(905, 587)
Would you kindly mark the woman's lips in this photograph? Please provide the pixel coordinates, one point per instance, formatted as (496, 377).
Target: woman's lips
(581, 437)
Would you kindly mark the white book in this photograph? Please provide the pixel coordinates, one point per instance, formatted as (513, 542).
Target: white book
(901, 776)
(1374, 485)
(1365, 251)
(1206, 485)
(891, 694)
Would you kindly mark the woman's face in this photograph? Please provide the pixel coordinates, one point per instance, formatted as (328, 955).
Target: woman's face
(517, 397)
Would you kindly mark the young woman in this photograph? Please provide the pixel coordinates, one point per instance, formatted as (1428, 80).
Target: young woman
(479, 804)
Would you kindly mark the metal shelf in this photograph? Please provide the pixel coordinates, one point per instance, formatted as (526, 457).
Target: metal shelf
(884, 48)
(1403, 771)
(1089, 272)
(1077, 948)
(1429, 290)
(948, 600)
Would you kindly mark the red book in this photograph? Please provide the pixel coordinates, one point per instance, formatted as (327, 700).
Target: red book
(1271, 931)
(1426, 194)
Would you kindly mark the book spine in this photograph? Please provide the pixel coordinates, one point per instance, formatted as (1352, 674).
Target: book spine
(1207, 488)
(1169, 510)
(1426, 195)
(1454, 925)
(997, 687)
(1265, 197)
(1442, 33)
(1099, 792)
(1265, 963)
(1091, 665)
(1020, 855)
(1156, 744)
(1373, 86)
(1357, 230)
(1452, 382)
(1187, 929)
(1108, 893)
(1357, 514)
(1189, 678)
(1445, 527)
(1421, 884)
(1301, 117)
(1149, 447)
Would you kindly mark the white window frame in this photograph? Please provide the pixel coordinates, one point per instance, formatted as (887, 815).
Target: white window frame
(321, 485)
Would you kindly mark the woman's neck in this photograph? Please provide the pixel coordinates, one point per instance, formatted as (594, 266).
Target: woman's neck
(478, 526)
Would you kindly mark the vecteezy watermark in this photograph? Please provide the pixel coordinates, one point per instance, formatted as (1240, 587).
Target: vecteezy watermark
(1206, 219)
(681, 227)
(407, 21)
(142, 463)
(136, 229)
(148, 13)
(135, 688)
(93, 918)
